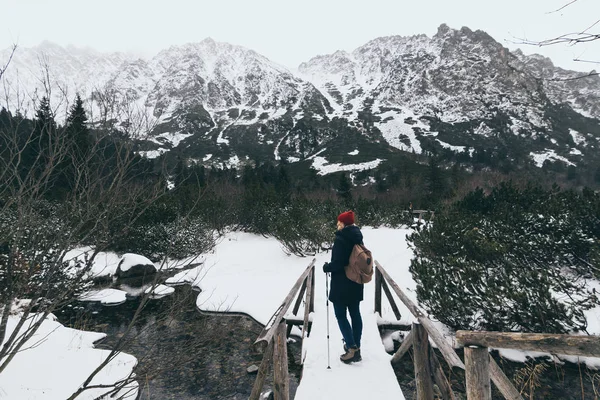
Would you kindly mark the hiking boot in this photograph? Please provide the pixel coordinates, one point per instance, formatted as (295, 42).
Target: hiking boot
(357, 351)
(351, 355)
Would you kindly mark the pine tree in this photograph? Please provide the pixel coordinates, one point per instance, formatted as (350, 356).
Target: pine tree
(436, 184)
(43, 139)
(344, 189)
(283, 184)
(77, 131)
(517, 255)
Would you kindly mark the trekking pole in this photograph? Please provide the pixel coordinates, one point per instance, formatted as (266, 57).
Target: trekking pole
(327, 304)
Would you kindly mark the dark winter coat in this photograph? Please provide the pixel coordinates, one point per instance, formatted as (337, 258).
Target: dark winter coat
(343, 290)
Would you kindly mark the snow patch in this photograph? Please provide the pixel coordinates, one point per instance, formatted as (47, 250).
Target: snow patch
(458, 149)
(104, 264)
(105, 296)
(160, 291)
(152, 153)
(578, 138)
(540, 157)
(394, 129)
(484, 130)
(130, 260)
(322, 165)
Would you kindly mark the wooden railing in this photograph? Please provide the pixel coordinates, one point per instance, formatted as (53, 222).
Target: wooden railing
(480, 368)
(273, 338)
(427, 368)
(422, 212)
(477, 344)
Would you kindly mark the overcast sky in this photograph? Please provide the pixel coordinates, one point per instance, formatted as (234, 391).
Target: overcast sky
(292, 31)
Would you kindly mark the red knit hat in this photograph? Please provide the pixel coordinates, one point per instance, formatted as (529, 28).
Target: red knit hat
(347, 218)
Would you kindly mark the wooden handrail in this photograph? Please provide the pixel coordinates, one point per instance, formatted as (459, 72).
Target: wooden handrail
(274, 336)
(447, 351)
(572, 345)
(269, 331)
(503, 384)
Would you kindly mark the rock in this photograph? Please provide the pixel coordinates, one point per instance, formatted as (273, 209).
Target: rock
(252, 369)
(133, 265)
(268, 395)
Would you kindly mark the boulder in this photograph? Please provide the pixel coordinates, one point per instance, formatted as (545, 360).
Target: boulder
(134, 265)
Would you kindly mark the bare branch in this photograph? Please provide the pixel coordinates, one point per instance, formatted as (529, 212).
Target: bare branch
(10, 57)
(563, 7)
(586, 61)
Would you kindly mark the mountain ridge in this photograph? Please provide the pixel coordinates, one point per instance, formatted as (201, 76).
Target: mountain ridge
(457, 94)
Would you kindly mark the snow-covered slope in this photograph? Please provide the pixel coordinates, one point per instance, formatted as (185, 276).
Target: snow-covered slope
(59, 71)
(210, 102)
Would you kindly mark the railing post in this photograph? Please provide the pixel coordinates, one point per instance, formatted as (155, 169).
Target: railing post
(281, 380)
(378, 280)
(262, 372)
(422, 365)
(477, 369)
(388, 294)
(307, 309)
(312, 291)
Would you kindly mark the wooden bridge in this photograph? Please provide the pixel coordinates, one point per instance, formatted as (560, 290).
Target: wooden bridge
(373, 378)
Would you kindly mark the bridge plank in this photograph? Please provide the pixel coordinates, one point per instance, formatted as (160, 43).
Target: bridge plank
(374, 373)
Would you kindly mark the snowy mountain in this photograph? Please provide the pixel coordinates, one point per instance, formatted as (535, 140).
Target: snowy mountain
(58, 70)
(462, 88)
(460, 94)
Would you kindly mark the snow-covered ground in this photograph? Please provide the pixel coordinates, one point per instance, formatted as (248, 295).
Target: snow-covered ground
(57, 360)
(250, 274)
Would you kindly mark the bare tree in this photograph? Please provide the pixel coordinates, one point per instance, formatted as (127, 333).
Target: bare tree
(4, 67)
(584, 36)
(106, 193)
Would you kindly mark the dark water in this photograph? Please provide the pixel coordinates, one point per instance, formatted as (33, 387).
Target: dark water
(182, 353)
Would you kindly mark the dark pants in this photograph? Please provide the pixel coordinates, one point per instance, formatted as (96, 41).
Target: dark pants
(352, 333)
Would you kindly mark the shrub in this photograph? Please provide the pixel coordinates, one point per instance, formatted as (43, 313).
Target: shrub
(513, 260)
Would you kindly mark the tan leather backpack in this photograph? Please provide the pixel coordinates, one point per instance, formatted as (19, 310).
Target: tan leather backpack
(360, 265)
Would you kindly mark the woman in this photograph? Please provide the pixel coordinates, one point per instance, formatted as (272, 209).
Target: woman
(345, 294)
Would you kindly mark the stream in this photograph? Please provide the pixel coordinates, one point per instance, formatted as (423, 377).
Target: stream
(182, 353)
